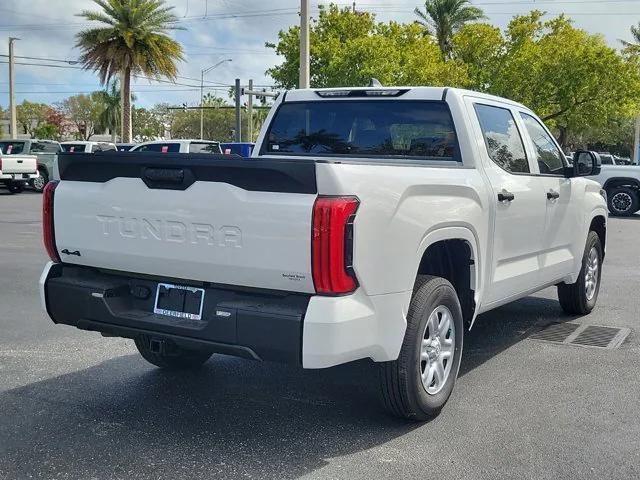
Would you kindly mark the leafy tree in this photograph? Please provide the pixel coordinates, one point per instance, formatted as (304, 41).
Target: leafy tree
(84, 112)
(633, 47)
(30, 116)
(443, 18)
(134, 41)
(110, 115)
(148, 124)
(56, 119)
(348, 49)
(46, 131)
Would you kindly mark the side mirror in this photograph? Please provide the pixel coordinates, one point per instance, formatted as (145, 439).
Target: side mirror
(585, 164)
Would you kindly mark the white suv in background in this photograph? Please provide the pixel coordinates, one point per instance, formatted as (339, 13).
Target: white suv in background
(179, 146)
(87, 147)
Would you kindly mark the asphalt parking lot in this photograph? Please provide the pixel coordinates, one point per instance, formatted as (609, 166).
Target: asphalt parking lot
(76, 405)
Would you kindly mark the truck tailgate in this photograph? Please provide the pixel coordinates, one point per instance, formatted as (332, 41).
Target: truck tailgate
(218, 219)
(10, 164)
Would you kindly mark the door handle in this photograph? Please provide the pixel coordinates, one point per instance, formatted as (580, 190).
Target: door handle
(505, 196)
(552, 195)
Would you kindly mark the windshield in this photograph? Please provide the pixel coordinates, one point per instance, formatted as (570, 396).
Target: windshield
(371, 128)
(12, 148)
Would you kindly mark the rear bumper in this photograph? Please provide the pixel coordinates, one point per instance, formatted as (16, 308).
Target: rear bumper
(246, 323)
(17, 177)
(294, 328)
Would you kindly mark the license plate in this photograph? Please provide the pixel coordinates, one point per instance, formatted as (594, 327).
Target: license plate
(179, 301)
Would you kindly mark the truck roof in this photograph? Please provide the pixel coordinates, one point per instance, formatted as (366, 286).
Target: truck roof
(410, 93)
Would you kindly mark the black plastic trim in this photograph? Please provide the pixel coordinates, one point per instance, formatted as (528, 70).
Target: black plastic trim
(233, 321)
(264, 175)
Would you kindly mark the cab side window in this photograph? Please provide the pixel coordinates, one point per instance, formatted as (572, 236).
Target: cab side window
(551, 161)
(502, 138)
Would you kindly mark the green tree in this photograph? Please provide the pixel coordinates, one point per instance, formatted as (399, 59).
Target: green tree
(133, 42)
(443, 18)
(348, 49)
(110, 115)
(30, 116)
(84, 112)
(148, 124)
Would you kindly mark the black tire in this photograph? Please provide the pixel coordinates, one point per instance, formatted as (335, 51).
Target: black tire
(15, 187)
(402, 391)
(573, 296)
(44, 176)
(623, 201)
(173, 358)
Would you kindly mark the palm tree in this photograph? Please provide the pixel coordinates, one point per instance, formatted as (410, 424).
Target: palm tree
(133, 41)
(110, 116)
(633, 47)
(443, 18)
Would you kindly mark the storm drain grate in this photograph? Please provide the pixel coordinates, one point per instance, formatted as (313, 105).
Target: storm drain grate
(582, 335)
(556, 332)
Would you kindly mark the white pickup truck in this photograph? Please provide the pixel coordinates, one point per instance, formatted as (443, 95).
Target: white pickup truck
(370, 223)
(16, 171)
(622, 184)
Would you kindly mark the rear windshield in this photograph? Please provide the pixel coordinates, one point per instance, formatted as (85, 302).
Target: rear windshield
(73, 147)
(159, 147)
(205, 147)
(12, 148)
(368, 128)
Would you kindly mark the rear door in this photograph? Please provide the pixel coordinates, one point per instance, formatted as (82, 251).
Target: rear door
(519, 218)
(564, 217)
(198, 217)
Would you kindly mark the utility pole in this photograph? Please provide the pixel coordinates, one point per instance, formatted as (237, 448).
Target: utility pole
(238, 122)
(202, 74)
(635, 156)
(12, 90)
(353, 10)
(304, 44)
(250, 114)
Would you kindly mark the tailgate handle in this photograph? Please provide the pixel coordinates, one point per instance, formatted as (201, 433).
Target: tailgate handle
(167, 178)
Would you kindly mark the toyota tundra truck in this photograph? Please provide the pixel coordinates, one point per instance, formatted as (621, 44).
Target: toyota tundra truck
(16, 171)
(369, 223)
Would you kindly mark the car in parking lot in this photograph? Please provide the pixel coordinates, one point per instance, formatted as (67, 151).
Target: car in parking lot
(46, 152)
(78, 146)
(178, 146)
(16, 171)
(372, 223)
(622, 185)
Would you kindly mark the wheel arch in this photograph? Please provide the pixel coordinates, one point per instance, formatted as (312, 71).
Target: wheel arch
(621, 182)
(453, 253)
(598, 224)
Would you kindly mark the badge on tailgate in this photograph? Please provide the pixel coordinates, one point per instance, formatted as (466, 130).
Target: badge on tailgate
(179, 301)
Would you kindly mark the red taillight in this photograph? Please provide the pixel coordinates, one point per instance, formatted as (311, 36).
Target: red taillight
(48, 232)
(332, 245)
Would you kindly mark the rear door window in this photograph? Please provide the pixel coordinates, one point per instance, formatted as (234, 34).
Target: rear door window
(204, 147)
(502, 138)
(366, 128)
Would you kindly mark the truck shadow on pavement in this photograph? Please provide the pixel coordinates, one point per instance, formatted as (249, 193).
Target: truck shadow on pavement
(125, 419)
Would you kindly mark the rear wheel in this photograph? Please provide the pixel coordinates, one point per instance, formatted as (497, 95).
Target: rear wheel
(40, 181)
(623, 201)
(168, 355)
(15, 187)
(580, 297)
(418, 384)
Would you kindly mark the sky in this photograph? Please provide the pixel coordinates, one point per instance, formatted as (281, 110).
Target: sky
(216, 30)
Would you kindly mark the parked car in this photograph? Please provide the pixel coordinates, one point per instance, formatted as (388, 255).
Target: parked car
(373, 223)
(46, 151)
(87, 147)
(622, 185)
(178, 146)
(124, 147)
(244, 149)
(16, 171)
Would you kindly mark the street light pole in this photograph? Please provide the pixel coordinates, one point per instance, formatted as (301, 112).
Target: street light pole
(202, 74)
(12, 90)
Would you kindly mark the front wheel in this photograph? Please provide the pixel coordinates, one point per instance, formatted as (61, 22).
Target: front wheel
(580, 297)
(170, 356)
(623, 201)
(418, 384)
